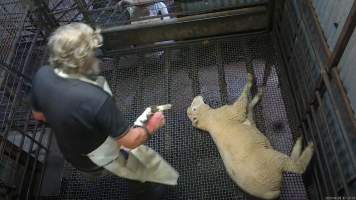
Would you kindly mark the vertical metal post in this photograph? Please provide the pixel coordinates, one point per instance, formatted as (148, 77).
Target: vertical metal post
(312, 129)
(27, 163)
(44, 164)
(345, 100)
(315, 173)
(338, 164)
(339, 119)
(22, 142)
(16, 98)
(322, 148)
(34, 166)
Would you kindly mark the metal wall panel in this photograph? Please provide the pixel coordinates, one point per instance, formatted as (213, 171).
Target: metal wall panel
(332, 16)
(348, 70)
(322, 113)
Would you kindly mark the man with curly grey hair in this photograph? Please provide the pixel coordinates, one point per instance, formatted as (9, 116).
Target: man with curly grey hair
(91, 132)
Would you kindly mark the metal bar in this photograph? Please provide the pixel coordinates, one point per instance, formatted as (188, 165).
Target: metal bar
(14, 71)
(188, 13)
(16, 97)
(315, 50)
(22, 142)
(346, 102)
(315, 171)
(228, 22)
(82, 8)
(73, 18)
(42, 12)
(17, 36)
(33, 139)
(176, 44)
(344, 38)
(309, 6)
(58, 4)
(31, 184)
(281, 45)
(317, 130)
(338, 164)
(339, 118)
(44, 165)
(301, 85)
(27, 163)
(64, 12)
(10, 2)
(313, 128)
(9, 121)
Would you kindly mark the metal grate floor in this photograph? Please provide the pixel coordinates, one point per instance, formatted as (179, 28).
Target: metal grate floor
(215, 68)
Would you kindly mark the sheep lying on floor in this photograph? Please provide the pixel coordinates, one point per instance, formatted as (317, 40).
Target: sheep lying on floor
(248, 156)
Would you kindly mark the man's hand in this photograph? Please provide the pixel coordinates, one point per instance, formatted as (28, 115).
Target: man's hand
(148, 123)
(155, 122)
(137, 136)
(143, 118)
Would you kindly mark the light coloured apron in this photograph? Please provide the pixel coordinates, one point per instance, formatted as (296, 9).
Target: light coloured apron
(143, 163)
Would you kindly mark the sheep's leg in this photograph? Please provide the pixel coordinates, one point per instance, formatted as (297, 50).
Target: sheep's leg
(297, 149)
(299, 165)
(241, 104)
(251, 106)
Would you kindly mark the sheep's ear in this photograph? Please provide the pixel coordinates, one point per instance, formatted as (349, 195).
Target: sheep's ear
(197, 101)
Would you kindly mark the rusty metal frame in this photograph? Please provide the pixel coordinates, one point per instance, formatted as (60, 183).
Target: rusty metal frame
(344, 38)
(197, 26)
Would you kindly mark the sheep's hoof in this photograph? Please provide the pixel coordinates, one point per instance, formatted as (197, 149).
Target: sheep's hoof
(259, 94)
(249, 77)
(300, 138)
(310, 146)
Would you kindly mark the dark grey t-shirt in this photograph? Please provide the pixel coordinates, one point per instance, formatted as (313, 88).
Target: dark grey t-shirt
(81, 114)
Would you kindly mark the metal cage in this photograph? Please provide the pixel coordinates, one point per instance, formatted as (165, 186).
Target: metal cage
(199, 47)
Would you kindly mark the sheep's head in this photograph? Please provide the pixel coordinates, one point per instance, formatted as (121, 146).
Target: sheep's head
(197, 113)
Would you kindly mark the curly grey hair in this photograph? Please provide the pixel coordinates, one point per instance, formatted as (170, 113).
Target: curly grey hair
(72, 47)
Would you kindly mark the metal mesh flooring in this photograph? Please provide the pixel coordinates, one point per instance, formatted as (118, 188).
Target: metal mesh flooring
(216, 69)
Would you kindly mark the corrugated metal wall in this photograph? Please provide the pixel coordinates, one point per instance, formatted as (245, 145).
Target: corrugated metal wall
(347, 68)
(332, 16)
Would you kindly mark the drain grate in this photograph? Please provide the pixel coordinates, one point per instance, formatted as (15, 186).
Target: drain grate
(217, 70)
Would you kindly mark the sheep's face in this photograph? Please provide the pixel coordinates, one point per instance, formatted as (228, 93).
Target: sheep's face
(195, 112)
